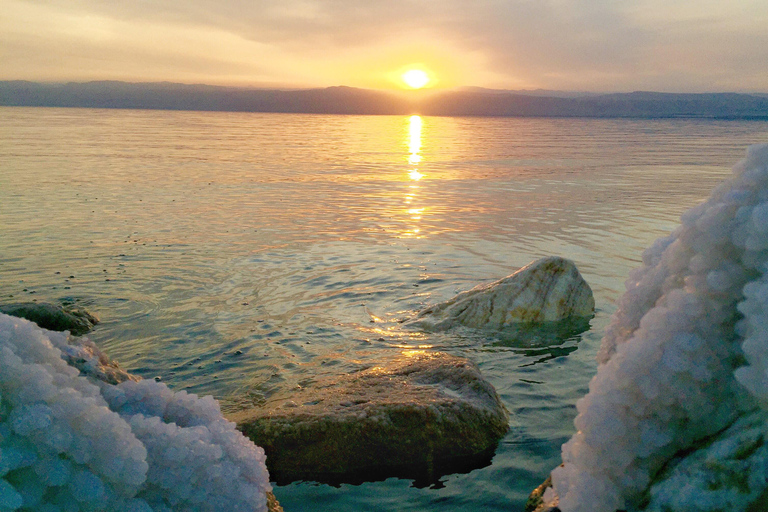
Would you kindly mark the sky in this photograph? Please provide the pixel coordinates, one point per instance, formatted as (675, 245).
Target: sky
(569, 45)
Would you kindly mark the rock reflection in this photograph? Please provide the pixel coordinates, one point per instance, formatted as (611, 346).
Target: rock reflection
(545, 341)
(541, 335)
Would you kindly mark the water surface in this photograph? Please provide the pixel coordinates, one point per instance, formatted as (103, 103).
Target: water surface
(238, 254)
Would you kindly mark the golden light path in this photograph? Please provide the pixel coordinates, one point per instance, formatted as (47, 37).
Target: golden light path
(383, 326)
(414, 139)
(414, 147)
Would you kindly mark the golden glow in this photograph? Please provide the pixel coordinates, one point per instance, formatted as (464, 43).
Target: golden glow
(416, 78)
(414, 353)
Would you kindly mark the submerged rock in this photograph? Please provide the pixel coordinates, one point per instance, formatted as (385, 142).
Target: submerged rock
(53, 317)
(416, 418)
(550, 289)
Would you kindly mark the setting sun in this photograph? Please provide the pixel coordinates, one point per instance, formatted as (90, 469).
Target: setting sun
(415, 78)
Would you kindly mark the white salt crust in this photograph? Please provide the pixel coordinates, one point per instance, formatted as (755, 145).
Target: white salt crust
(686, 352)
(71, 444)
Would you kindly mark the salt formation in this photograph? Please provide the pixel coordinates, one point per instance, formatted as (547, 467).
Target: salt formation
(68, 443)
(672, 363)
(547, 290)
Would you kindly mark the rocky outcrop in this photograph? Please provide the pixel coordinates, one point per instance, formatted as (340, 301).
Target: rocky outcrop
(416, 417)
(550, 289)
(53, 317)
(272, 504)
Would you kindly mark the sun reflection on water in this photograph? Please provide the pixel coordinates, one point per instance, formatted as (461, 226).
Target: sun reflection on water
(414, 174)
(414, 158)
(414, 139)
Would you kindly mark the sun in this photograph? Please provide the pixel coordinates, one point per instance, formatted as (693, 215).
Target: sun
(415, 78)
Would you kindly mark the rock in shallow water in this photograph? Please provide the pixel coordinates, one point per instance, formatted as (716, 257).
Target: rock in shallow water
(53, 317)
(550, 289)
(415, 418)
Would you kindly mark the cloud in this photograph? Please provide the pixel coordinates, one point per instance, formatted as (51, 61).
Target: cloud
(565, 44)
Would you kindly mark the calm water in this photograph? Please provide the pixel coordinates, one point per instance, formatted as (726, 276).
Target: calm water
(240, 254)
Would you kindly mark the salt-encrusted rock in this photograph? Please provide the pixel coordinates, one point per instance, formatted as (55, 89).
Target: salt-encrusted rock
(550, 289)
(78, 444)
(84, 355)
(684, 356)
(53, 317)
(81, 353)
(415, 416)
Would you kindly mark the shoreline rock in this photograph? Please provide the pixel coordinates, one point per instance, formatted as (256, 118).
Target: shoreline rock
(421, 417)
(53, 317)
(549, 289)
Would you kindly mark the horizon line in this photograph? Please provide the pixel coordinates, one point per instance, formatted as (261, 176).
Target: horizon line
(399, 92)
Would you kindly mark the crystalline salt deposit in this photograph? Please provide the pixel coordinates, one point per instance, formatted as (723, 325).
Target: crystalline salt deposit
(672, 363)
(68, 443)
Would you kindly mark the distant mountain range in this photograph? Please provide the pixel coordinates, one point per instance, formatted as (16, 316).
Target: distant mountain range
(471, 101)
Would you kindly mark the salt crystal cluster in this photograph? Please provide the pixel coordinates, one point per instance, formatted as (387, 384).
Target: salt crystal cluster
(685, 354)
(71, 444)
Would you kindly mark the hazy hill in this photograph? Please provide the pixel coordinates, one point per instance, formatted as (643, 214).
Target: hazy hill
(635, 104)
(348, 100)
(171, 96)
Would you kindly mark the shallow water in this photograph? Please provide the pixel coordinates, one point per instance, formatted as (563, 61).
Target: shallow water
(239, 254)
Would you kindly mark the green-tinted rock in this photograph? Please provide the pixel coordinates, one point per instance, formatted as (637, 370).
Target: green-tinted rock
(726, 472)
(419, 417)
(53, 317)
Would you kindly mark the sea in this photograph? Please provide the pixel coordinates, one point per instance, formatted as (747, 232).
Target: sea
(244, 254)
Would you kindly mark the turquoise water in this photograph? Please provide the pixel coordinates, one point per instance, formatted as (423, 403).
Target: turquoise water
(241, 254)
